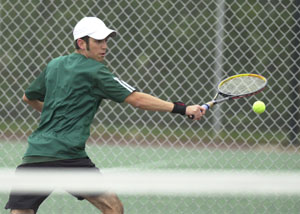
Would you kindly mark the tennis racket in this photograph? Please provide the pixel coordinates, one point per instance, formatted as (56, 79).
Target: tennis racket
(237, 86)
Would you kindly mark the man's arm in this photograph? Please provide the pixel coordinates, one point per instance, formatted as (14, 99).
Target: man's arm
(151, 103)
(36, 104)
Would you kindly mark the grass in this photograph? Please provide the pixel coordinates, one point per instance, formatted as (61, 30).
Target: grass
(163, 133)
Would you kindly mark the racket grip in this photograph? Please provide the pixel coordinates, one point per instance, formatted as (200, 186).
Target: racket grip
(206, 106)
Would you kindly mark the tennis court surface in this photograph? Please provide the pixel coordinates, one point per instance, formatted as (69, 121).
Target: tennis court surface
(122, 158)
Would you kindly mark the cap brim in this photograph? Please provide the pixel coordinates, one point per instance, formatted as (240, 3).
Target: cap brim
(100, 35)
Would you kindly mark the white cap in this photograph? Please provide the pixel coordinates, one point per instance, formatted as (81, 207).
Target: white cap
(92, 27)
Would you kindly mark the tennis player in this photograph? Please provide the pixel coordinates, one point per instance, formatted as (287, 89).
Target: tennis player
(68, 92)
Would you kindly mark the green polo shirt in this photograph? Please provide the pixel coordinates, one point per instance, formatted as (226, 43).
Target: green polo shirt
(72, 88)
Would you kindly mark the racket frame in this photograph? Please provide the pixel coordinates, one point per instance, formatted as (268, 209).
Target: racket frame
(231, 97)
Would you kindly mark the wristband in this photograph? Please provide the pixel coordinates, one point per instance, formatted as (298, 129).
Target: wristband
(179, 108)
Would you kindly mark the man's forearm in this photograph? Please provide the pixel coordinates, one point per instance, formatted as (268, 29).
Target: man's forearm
(149, 102)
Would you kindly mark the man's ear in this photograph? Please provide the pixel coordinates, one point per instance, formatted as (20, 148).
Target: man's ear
(81, 44)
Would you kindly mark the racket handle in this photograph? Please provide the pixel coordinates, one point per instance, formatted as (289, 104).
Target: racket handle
(206, 106)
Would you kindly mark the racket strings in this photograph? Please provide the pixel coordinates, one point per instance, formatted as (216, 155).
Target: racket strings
(241, 85)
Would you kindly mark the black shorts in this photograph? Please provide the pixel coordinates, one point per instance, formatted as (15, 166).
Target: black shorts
(33, 201)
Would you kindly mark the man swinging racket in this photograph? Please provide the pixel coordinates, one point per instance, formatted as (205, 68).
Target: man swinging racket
(68, 92)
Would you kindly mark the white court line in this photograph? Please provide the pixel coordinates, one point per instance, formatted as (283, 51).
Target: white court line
(149, 165)
(139, 166)
(145, 182)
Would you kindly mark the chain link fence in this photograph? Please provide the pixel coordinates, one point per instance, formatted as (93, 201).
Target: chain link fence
(177, 51)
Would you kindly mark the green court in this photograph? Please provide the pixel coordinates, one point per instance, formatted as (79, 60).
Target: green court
(106, 156)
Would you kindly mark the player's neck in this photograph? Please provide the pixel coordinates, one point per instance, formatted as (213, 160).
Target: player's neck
(81, 52)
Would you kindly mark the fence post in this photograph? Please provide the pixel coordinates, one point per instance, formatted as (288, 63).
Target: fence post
(295, 82)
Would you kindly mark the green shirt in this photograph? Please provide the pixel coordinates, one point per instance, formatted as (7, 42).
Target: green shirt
(72, 88)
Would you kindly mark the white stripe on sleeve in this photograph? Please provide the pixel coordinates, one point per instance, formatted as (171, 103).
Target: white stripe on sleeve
(125, 85)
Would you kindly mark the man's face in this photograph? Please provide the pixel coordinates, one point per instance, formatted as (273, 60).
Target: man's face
(97, 49)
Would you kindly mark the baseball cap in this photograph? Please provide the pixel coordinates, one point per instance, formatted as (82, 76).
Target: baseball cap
(92, 27)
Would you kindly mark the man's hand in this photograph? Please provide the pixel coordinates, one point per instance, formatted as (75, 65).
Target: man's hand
(195, 111)
(36, 104)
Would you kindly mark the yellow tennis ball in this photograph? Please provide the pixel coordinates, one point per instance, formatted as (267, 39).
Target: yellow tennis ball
(259, 107)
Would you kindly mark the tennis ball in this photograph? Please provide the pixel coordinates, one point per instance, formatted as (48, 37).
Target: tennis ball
(259, 107)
